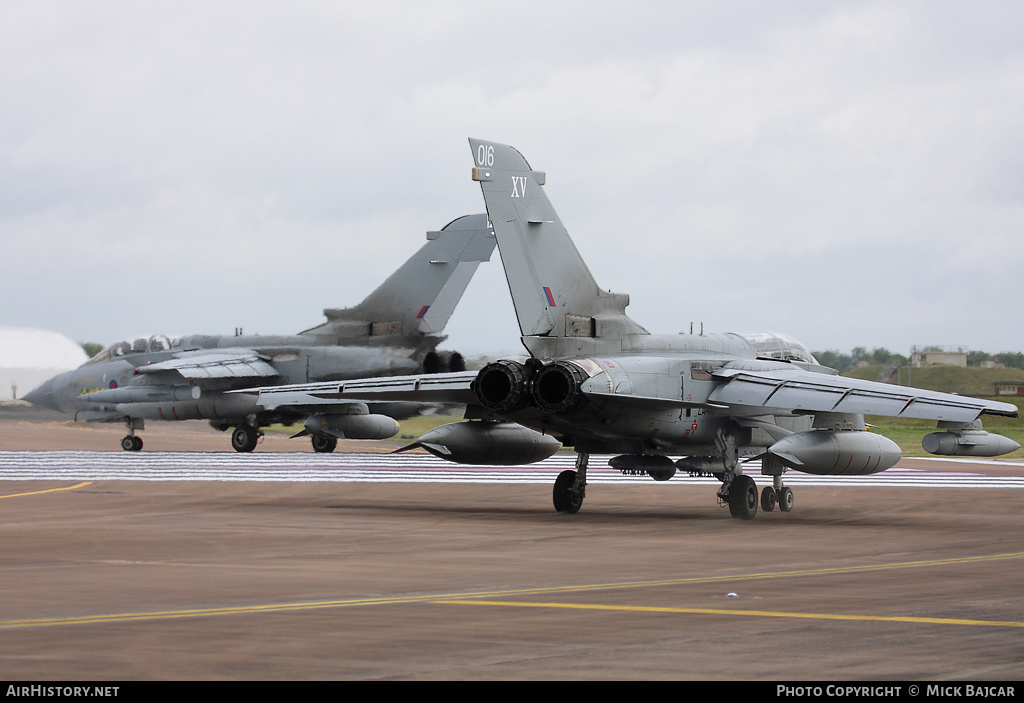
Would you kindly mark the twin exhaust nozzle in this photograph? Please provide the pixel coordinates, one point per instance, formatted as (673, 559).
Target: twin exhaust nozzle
(509, 386)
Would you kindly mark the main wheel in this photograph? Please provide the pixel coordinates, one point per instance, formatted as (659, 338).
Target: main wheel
(743, 498)
(785, 499)
(131, 444)
(566, 500)
(324, 445)
(768, 499)
(244, 438)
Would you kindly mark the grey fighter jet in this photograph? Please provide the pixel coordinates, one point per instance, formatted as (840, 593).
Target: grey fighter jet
(597, 381)
(395, 330)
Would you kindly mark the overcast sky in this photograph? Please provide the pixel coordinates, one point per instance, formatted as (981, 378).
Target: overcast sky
(851, 173)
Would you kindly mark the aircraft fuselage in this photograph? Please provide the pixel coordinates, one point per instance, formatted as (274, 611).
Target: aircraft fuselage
(121, 387)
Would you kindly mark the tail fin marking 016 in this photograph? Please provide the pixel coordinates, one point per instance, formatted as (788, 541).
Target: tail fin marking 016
(554, 294)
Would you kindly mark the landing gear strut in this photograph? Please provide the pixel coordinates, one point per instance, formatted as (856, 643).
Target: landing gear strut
(244, 438)
(571, 486)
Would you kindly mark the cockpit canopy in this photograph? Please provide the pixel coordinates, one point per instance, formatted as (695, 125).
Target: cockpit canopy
(138, 345)
(778, 346)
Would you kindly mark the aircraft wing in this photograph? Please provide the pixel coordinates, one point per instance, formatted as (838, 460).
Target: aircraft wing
(794, 389)
(219, 363)
(430, 388)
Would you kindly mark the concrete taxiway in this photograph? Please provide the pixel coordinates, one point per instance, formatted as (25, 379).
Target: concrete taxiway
(123, 579)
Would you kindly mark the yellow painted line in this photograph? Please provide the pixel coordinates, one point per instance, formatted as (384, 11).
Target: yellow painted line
(754, 576)
(207, 612)
(48, 490)
(476, 596)
(745, 613)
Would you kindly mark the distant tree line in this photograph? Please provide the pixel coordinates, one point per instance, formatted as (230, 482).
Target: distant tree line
(92, 348)
(1008, 359)
(882, 356)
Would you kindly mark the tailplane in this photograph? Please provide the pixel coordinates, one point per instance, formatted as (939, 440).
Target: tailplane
(418, 298)
(560, 307)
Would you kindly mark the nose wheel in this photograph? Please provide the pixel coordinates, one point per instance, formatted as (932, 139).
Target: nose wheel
(785, 499)
(781, 496)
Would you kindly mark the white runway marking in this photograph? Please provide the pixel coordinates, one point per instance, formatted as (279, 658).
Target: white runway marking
(408, 468)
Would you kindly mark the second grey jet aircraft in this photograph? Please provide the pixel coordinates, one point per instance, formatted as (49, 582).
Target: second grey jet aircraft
(395, 330)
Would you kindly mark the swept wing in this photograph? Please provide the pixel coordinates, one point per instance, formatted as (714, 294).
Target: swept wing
(219, 363)
(425, 388)
(796, 390)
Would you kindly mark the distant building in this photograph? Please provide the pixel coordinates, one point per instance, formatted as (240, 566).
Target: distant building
(930, 358)
(28, 357)
(1009, 387)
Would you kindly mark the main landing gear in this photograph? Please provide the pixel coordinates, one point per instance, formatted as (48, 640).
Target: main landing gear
(738, 490)
(571, 486)
(245, 437)
(740, 493)
(131, 443)
(742, 497)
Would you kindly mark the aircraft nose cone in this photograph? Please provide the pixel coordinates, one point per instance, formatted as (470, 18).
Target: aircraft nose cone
(42, 396)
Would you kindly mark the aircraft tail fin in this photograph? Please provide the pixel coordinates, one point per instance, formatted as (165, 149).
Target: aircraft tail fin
(419, 298)
(554, 293)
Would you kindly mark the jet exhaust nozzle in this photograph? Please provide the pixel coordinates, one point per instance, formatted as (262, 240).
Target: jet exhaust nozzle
(502, 386)
(442, 361)
(557, 388)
